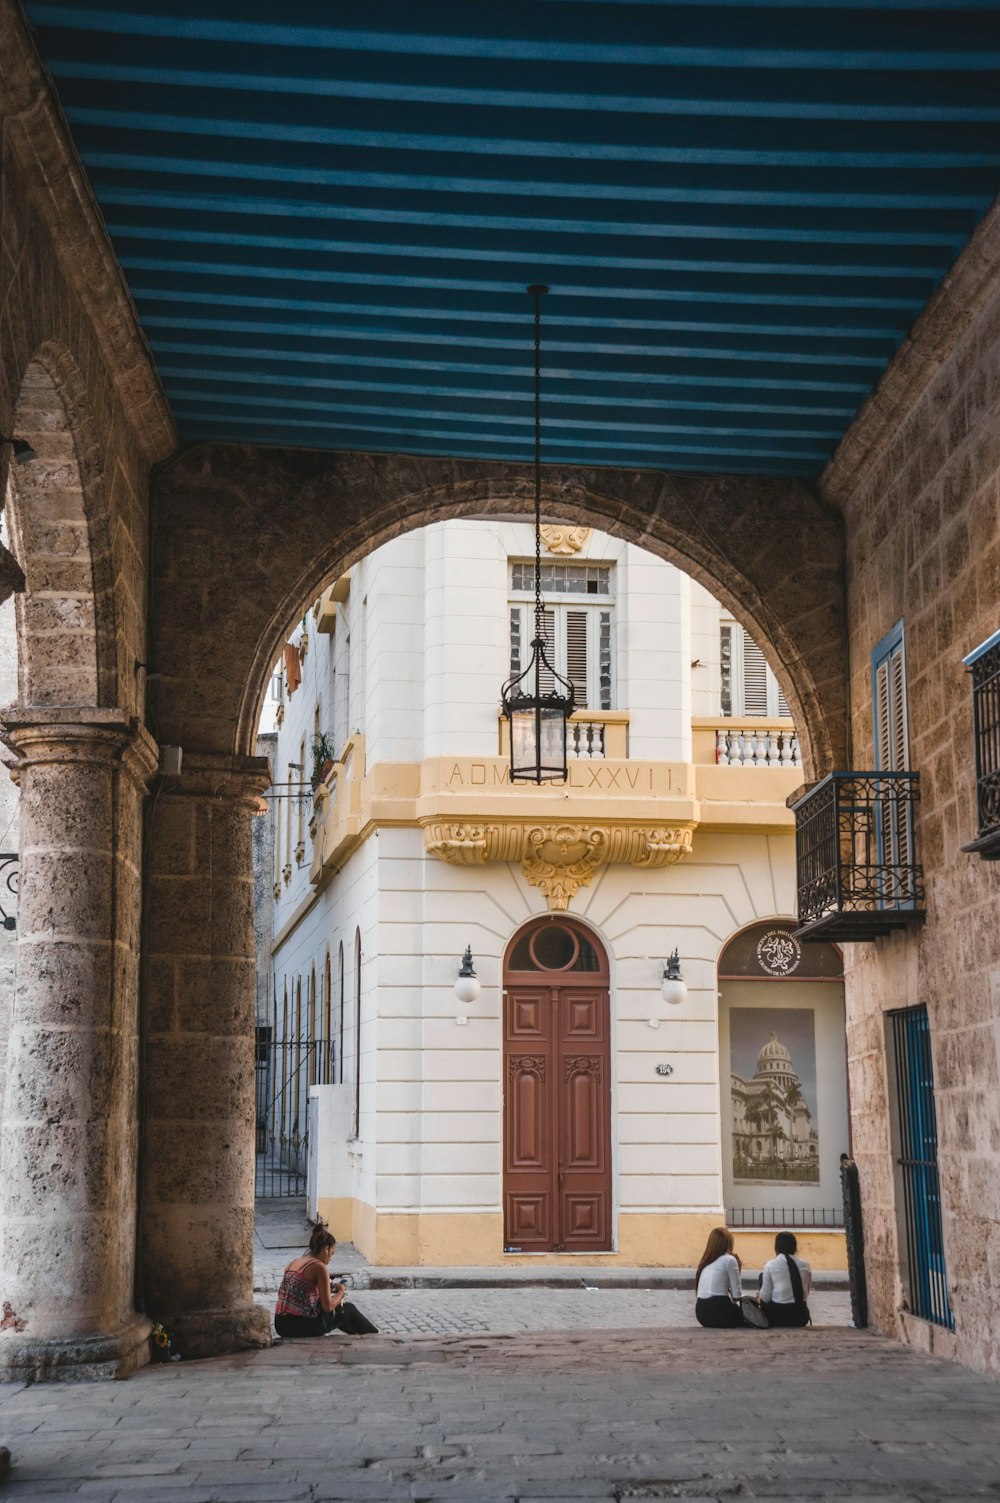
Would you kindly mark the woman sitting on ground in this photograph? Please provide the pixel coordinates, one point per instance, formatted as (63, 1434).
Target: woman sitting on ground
(308, 1305)
(785, 1285)
(717, 1283)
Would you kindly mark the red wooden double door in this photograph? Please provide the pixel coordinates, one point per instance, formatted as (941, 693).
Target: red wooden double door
(557, 1091)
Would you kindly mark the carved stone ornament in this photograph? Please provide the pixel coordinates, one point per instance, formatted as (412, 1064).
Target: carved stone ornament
(559, 858)
(564, 540)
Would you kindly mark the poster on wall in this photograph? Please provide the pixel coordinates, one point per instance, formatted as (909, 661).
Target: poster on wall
(772, 1054)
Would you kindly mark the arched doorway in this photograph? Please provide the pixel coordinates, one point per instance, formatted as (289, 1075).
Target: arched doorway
(557, 1090)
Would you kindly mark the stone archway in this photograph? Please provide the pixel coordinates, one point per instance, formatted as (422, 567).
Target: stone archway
(58, 523)
(243, 536)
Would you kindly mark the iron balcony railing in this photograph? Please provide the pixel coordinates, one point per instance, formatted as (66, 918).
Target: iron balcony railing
(856, 870)
(985, 665)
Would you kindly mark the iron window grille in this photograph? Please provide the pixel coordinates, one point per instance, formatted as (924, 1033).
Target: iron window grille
(766, 1217)
(9, 873)
(856, 872)
(924, 1273)
(985, 665)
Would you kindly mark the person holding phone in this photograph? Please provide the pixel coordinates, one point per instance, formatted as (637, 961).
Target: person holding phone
(308, 1303)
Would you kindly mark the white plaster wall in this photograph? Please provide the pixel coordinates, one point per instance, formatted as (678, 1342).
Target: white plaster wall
(706, 672)
(392, 581)
(466, 637)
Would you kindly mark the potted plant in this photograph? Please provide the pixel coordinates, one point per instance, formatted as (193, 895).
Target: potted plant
(322, 757)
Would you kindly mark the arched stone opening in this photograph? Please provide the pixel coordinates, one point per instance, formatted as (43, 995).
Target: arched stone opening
(57, 521)
(244, 538)
(279, 525)
(68, 1152)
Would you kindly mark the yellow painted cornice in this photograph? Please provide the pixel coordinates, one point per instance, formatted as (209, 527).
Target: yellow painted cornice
(642, 814)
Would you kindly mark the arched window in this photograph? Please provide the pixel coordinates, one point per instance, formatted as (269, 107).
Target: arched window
(357, 1033)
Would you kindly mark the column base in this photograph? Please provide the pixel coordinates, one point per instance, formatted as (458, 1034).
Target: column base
(215, 1333)
(80, 1359)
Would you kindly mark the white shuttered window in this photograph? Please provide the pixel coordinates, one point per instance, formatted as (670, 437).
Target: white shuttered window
(579, 639)
(748, 685)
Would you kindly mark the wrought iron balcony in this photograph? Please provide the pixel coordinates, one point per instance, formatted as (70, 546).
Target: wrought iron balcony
(985, 665)
(856, 871)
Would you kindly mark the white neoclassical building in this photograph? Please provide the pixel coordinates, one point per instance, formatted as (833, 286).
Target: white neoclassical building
(565, 1107)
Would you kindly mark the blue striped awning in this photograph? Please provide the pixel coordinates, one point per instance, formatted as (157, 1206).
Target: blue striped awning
(328, 212)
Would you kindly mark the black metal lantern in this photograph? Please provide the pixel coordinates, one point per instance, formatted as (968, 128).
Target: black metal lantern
(537, 716)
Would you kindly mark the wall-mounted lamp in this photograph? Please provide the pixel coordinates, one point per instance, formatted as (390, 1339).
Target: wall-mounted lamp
(467, 986)
(672, 988)
(23, 452)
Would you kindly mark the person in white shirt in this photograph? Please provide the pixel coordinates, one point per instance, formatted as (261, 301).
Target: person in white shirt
(717, 1283)
(785, 1285)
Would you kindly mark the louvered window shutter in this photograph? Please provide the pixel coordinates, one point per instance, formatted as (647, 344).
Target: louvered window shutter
(891, 751)
(546, 681)
(883, 737)
(897, 699)
(754, 678)
(577, 655)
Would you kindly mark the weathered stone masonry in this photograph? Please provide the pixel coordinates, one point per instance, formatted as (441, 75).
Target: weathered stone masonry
(919, 485)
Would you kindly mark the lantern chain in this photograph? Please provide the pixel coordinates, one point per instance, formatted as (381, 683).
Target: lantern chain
(537, 291)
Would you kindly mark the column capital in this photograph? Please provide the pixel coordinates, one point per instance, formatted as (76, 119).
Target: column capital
(218, 775)
(41, 735)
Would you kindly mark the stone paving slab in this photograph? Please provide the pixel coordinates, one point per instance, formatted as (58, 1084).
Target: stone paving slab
(828, 1414)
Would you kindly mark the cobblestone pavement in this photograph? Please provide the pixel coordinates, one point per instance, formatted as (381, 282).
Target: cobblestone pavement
(404, 1312)
(800, 1417)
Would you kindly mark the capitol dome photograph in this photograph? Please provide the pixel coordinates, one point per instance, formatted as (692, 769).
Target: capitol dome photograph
(774, 1129)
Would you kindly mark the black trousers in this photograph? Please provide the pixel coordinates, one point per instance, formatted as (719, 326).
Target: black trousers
(719, 1312)
(786, 1315)
(347, 1318)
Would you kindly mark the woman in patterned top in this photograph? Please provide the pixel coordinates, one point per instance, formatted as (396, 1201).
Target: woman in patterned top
(308, 1305)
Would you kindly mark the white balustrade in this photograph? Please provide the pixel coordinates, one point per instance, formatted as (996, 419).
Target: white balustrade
(756, 746)
(585, 739)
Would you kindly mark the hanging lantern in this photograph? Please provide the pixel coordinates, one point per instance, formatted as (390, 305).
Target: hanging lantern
(538, 701)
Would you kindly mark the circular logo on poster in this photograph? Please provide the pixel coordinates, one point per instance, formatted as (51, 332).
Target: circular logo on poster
(779, 953)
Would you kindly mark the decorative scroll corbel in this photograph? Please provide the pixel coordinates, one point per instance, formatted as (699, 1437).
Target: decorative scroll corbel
(559, 858)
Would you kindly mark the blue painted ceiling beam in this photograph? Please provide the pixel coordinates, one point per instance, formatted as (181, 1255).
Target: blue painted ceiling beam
(328, 215)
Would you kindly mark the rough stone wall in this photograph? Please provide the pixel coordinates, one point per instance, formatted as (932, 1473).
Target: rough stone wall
(922, 509)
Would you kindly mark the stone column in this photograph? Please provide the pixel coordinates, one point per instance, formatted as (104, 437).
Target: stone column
(68, 1146)
(198, 1193)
